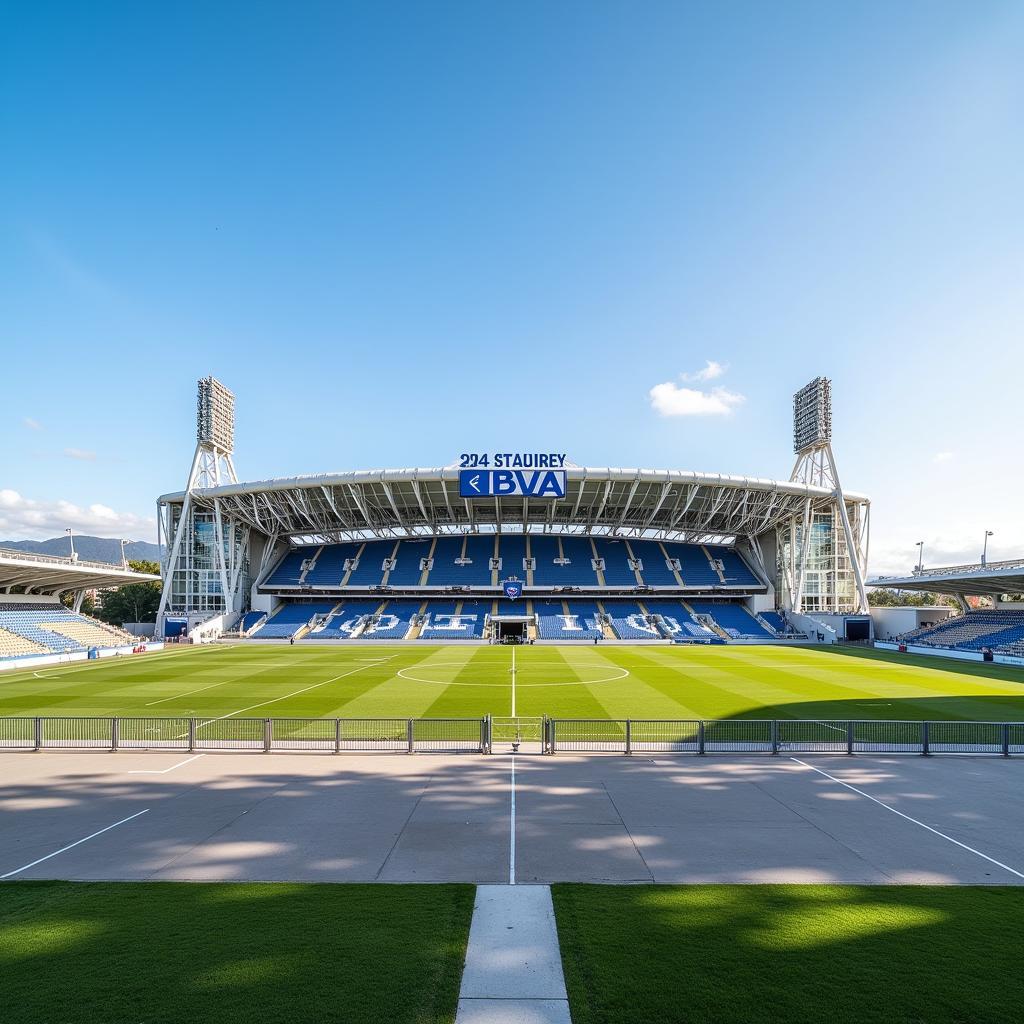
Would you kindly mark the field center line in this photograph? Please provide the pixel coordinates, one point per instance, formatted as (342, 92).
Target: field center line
(285, 696)
(512, 828)
(942, 835)
(70, 846)
(513, 683)
(164, 771)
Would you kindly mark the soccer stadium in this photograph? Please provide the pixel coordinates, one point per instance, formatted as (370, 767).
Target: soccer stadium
(612, 677)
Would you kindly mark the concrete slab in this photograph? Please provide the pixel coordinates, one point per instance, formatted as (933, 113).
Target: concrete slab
(513, 966)
(398, 818)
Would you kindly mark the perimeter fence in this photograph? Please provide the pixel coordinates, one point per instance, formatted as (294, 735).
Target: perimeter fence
(479, 735)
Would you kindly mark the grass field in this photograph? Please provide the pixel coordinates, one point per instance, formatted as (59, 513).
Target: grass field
(572, 682)
(801, 954)
(172, 953)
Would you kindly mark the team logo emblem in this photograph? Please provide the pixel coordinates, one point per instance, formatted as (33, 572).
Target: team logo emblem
(513, 588)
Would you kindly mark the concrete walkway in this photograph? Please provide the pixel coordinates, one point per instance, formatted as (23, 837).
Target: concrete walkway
(513, 969)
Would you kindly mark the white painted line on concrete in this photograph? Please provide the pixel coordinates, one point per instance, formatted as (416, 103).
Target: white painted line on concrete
(935, 831)
(285, 696)
(513, 972)
(70, 846)
(512, 828)
(164, 771)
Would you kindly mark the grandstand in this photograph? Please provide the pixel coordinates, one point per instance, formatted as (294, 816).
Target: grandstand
(617, 555)
(34, 623)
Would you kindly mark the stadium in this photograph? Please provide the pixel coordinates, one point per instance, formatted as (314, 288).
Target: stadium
(633, 693)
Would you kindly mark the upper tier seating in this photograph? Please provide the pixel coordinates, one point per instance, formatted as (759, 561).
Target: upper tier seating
(290, 618)
(735, 619)
(58, 630)
(695, 568)
(629, 622)
(289, 572)
(736, 571)
(580, 570)
(655, 571)
(329, 569)
(407, 571)
(476, 573)
(512, 551)
(444, 623)
(617, 572)
(580, 623)
(369, 572)
(676, 623)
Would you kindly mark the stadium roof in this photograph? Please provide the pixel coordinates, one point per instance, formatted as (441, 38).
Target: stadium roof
(46, 574)
(967, 580)
(404, 502)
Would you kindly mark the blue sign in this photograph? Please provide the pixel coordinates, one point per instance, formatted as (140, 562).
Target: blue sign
(512, 483)
(513, 588)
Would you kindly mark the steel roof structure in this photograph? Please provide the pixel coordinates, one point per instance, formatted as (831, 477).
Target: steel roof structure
(662, 503)
(993, 578)
(46, 574)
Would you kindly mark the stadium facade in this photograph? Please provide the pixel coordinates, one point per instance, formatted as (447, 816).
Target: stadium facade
(513, 544)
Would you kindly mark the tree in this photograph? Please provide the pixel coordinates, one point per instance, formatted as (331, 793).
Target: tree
(886, 597)
(88, 604)
(134, 602)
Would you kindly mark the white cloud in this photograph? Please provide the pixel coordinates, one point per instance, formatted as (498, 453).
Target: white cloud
(712, 371)
(670, 399)
(942, 456)
(22, 518)
(32, 424)
(81, 454)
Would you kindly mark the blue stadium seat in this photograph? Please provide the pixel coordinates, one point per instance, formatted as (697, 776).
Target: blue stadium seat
(655, 571)
(629, 622)
(695, 570)
(735, 570)
(581, 622)
(393, 623)
(734, 618)
(290, 618)
(407, 572)
(442, 622)
(346, 621)
(617, 572)
(330, 565)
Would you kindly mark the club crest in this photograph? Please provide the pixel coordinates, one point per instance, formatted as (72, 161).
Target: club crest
(513, 588)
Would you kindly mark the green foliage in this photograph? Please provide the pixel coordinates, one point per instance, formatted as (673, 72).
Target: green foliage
(88, 604)
(883, 597)
(178, 953)
(804, 953)
(134, 602)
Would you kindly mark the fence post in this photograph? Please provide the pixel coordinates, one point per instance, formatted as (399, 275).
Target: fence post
(924, 739)
(483, 734)
(1006, 739)
(775, 736)
(337, 735)
(551, 736)
(268, 734)
(629, 736)
(700, 738)
(410, 736)
(849, 737)
(37, 733)
(115, 734)
(191, 735)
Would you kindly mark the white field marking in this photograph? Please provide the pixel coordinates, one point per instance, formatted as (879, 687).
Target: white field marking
(188, 693)
(78, 842)
(513, 691)
(164, 771)
(935, 831)
(512, 828)
(405, 674)
(285, 696)
(87, 666)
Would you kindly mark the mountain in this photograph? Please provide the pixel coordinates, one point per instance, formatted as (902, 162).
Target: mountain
(89, 549)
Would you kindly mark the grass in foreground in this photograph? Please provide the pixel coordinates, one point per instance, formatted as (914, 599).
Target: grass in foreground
(800, 954)
(156, 952)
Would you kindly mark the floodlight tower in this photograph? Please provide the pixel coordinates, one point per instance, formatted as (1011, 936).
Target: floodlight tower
(816, 465)
(211, 466)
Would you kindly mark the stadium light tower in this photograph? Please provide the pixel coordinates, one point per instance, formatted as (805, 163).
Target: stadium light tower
(212, 466)
(984, 550)
(920, 555)
(816, 466)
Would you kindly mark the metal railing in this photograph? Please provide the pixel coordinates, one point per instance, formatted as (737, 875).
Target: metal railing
(477, 735)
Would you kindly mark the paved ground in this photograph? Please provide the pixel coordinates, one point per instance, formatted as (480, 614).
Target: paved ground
(450, 818)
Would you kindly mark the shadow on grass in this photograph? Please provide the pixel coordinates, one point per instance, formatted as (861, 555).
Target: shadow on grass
(157, 952)
(801, 954)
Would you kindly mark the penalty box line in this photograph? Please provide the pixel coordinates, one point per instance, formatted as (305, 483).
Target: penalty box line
(934, 831)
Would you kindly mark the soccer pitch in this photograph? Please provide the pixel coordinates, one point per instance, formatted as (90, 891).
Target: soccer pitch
(380, 681)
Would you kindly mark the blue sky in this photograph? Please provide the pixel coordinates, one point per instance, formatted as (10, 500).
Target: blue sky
(401, 231)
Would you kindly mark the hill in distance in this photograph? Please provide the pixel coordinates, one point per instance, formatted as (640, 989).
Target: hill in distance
(89, 549)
